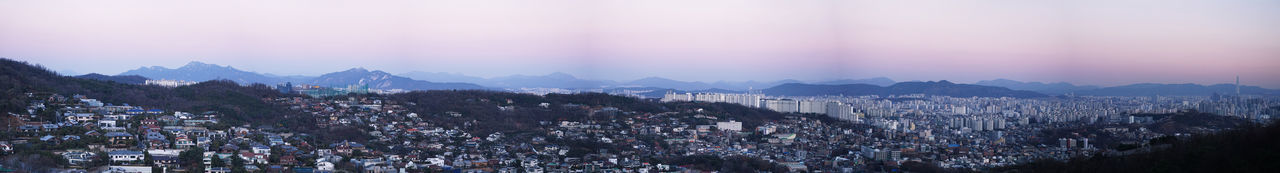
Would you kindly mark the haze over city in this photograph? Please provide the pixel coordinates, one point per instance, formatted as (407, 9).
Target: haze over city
(639, 86)
(1084, 42)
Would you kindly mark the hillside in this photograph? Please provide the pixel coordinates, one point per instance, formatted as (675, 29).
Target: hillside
(129, 79)
(383, 80)
(1248, 149)
(240, 103)
(1186, 122)
(480, 106)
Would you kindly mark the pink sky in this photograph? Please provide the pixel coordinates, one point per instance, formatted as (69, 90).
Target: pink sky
(1099, 42)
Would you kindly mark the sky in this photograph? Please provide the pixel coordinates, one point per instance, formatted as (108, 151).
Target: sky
(1094, 42)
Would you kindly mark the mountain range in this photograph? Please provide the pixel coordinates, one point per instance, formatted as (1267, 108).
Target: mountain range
(383, 80)
(125, 79)
(22, 81)
(1151, 89)
(944, 88)
(198, 71)
(1141, 89)
(1057, 88)
(562, 80)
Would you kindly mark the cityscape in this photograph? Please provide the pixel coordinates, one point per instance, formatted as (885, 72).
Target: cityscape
(654, 86)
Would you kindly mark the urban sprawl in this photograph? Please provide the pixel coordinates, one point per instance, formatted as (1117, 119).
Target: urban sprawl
(874, 133)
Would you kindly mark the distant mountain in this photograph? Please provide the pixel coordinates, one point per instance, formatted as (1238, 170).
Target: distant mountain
(751, 85)
(879, 81)
(553, 80)
(800, 89)
(1058, 88)
(669, 83)
(240, 104)
(444, 77)
(130, 79)
(661, 92)
(1142, 89)
(943, 88)
(1151, 89)
(383, 80)
(563, 80)
(198, 71)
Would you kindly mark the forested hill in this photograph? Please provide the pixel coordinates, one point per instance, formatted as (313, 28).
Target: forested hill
(1248, 149)
(239, 103)
(480, 106)
(128, 79)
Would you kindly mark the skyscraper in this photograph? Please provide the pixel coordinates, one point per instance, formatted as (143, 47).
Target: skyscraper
(1238, 96)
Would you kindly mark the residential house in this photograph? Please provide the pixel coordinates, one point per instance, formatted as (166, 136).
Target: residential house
(120, 138)
(78, 157)
(125, 155)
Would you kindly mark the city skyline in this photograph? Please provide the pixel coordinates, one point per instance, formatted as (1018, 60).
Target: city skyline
(639, 86)
(1082, 42)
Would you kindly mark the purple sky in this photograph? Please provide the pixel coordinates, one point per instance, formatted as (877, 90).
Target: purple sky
(1099, 42)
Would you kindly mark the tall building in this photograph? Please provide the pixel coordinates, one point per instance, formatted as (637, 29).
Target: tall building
(749, 100)
(960, 110)
(782, 105)
(673, 97)
(285, 88)
(813, 106)
(730, 126)
(841, 111)
(1062, 142)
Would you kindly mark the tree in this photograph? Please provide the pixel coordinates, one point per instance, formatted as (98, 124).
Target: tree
(193, 158)
(146, 159)
(217, 162)
(357, 153)
(100, 158)
(237, 164)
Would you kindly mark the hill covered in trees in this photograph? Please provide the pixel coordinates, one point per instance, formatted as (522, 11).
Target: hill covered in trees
(1251, 148)
(239, 103)
(482, 107)
(127, 79)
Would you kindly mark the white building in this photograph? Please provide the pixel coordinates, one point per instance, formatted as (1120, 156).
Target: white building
(91, 102)
(324, 166)
(841, 111)
(673, 97)
(125, 156)
(129, 169)
(813, 106)
(782, 105)
(170, 83)
(730, 125)
(749, 100)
